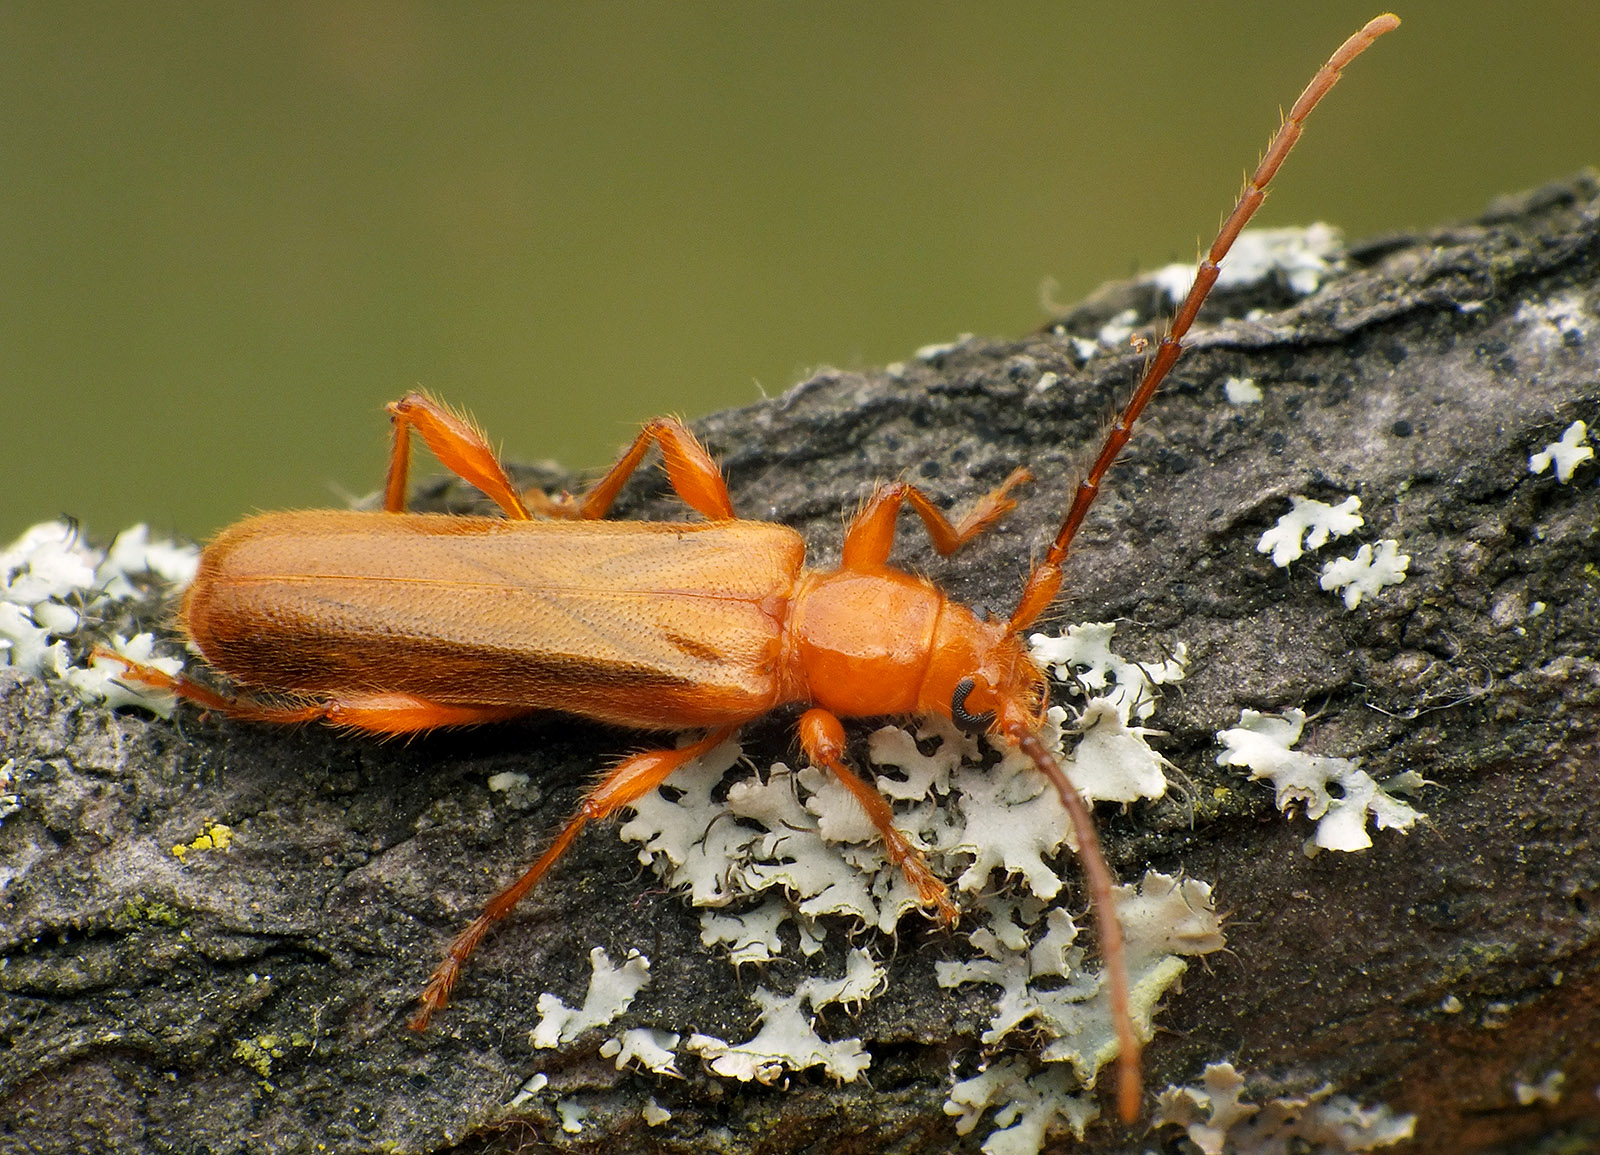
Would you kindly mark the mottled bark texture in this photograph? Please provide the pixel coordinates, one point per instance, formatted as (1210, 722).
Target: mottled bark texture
(254, 1000)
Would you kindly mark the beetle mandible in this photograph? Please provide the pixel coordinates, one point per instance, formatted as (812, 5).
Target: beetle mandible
(395, 623)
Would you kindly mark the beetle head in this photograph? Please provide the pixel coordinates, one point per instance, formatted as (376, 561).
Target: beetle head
(981, 676)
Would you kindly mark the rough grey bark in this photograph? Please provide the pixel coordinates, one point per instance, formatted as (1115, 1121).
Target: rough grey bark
(254, 1001)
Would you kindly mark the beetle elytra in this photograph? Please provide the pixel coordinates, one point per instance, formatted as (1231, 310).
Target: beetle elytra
(394, 622)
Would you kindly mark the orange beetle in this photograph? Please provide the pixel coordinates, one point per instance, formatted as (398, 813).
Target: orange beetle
(395, 622)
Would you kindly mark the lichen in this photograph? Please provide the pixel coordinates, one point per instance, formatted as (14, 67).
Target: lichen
(1044, 986)
(1028, 1104)
(1217, 1119)
(647, 1048)
(611, 991)
(1300, 259)
(215, 836)
(1307, 526)
(1262, 743)
(1571, 451)
(1083, 659)
(1242, 391)
(787, 1041)
(56, 591)
(1366, 572)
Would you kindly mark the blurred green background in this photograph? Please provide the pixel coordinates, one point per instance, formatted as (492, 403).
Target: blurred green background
(229, 233)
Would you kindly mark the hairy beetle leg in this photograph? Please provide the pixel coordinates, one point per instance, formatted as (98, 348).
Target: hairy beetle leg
(625, 783)
(822, 738)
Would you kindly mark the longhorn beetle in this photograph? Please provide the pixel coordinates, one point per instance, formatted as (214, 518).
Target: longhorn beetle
(394, 622)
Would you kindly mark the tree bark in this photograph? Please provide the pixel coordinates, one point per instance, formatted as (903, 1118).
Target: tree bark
(254, 999)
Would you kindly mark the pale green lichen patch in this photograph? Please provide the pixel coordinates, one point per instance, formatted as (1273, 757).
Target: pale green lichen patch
(611, 991)
(1044, 986)
(1262, 743)
(1028, 1106)
(1217, 1119)
(787, 1041)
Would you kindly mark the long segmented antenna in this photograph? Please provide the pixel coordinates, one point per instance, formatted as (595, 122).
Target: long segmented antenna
(1045, 580)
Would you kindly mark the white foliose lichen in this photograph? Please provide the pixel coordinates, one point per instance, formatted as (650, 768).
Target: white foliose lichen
(1082, 658)
(1218, 1121)
(56, 594)
(1571, 451)
(1307, 526)
(1044, 988)
(572, 1114)
(1300, 259)
(1310, 524)
(1242, 391)
(1365, 573)
(787, 1040)
(1029, 1104)
(1262, 743)
(646, 1048)
(611, 991)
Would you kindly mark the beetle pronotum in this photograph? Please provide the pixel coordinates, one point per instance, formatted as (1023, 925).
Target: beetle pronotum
(396, 622)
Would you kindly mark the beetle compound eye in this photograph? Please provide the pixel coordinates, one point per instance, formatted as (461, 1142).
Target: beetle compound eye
(958, 707)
